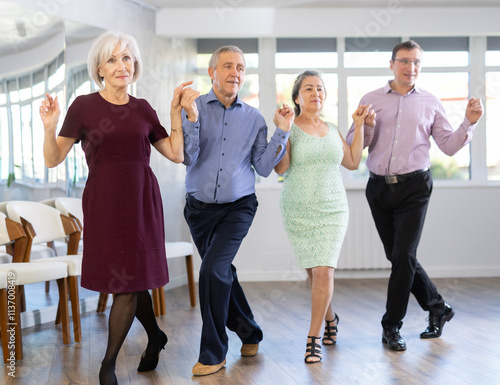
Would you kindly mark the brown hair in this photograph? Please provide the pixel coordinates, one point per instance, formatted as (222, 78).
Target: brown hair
(406, 45)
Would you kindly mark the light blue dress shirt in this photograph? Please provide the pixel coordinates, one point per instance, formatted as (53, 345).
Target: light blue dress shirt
(222, 149)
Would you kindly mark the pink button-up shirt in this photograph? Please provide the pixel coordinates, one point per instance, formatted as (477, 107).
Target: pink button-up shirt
(400, 141)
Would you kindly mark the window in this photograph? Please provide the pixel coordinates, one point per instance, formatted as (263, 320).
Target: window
(21, 127)
(78, 83)
(351, 67)
(444, 51)
(303, 53)
(452, 89)
(492, 77)
(369, 52)
(296, 55)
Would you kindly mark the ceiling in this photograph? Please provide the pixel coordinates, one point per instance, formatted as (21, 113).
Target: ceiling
(17, 33)
(157, 4)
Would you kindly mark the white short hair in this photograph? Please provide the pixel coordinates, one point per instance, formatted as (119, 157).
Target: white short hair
(103, 48)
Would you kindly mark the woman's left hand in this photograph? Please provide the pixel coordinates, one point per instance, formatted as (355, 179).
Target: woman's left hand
(364, 114)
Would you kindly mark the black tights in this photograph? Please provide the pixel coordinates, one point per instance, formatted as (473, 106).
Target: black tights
(125, 307)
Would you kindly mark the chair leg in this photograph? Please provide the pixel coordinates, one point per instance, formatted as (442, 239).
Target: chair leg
(17, 326)
(190, 275)
(155, 298)
(22, 299)
(101, 304)
(63, 311)
(47, 286)
(3, 325)
(58, 315)
(161, 292)
(75, 307)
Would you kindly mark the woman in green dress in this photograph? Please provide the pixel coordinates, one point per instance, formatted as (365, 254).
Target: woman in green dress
(313, 200)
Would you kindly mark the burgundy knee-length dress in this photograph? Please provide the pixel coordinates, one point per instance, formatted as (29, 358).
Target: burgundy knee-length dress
(124, 237)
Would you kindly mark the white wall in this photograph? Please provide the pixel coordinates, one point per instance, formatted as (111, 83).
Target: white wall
(460, 237)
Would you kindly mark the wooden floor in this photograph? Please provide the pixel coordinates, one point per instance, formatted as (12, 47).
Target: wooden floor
(467, 353)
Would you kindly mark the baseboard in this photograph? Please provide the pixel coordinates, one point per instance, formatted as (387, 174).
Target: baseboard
(48, 314)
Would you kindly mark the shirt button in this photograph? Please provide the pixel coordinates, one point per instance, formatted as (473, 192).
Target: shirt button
(225, 124)
(222, 154)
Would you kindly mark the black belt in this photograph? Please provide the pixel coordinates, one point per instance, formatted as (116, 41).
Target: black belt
(392, 179)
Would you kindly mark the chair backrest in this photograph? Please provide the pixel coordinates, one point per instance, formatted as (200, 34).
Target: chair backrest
(4, 233)
(68, 205)
(45, 220)
(13, 235)
(3, 207)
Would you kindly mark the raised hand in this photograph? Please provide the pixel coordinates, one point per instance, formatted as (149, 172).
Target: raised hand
(474, 110)
(49, 112)
(364, 114)
(184, 98)
(283, 117)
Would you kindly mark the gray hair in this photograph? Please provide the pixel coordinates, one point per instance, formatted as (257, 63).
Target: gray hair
(298, 83)
(214, 59)
(102, 49)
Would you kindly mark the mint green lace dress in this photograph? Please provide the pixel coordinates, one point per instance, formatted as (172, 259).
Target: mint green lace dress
(313, 200)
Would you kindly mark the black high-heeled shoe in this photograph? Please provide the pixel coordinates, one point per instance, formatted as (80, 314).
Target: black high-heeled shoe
(313, 351)
(330, 331)
(148, 364)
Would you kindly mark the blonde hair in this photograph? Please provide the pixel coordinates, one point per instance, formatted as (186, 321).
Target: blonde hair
(102, 49)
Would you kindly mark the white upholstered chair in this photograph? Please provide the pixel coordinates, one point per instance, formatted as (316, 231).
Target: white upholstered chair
(71, 207)
(13, 276)
(43, 224)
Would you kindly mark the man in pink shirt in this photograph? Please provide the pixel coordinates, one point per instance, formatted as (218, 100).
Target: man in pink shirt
(400, 184)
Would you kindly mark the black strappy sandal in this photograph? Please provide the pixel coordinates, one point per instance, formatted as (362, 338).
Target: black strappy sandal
(313, 349)
(330, 331)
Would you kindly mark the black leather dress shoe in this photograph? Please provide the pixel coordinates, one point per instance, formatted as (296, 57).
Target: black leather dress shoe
(436, 322)
(393, 339)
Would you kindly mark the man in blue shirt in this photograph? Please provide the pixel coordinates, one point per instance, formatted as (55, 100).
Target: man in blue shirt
(225, 140)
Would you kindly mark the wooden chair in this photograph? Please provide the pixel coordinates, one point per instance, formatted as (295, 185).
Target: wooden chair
(44, 224)
(71, 207)
(13, 276)
(173, 250)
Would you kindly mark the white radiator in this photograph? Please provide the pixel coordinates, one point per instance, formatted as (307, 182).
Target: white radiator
(362, 248)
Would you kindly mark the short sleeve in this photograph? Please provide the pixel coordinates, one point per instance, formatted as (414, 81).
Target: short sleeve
(73, 126)
(158, 132)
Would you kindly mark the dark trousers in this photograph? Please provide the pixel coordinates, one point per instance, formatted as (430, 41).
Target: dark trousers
(217, 231)
(399, 213)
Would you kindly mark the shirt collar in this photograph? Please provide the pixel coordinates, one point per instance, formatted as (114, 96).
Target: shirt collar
(211, 97)
(388, 89)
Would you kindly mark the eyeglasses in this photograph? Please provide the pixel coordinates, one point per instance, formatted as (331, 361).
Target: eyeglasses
(406, 62)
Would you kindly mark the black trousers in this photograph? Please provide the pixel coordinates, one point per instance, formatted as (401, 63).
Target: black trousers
(217, 231)
(399, 213)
